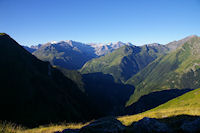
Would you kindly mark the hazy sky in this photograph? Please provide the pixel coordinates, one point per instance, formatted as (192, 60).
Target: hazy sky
(31, 22)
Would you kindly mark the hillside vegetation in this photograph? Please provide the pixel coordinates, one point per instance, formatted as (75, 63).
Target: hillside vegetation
(187, 104)
(125, 61)
(178, 69)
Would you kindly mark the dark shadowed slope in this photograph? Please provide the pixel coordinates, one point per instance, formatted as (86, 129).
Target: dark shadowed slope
(74, 76)
(108, 97)
(32, 92)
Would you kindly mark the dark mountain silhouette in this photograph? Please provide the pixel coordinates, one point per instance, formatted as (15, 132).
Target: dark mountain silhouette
(32, 92)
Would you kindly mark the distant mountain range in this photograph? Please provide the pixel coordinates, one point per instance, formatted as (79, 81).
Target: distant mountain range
(70, 54)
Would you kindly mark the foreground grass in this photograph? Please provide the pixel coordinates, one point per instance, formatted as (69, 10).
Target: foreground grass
(127, 120)
(12, 128)
(187, 104)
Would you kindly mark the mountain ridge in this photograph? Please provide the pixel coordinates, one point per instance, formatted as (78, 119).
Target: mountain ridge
(71, 54)
(169, 71)
(125, 61)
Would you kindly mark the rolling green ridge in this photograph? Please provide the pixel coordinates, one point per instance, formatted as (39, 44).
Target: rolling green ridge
(125, 61)
(178, 69)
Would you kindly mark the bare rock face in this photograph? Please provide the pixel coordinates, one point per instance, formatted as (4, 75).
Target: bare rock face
(191, 127)
(104, 125)
(149, 125)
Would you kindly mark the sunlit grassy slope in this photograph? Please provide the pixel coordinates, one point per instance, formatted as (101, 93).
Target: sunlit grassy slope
(12, 128)
(178, 69)
(187, 104)
(124, 62)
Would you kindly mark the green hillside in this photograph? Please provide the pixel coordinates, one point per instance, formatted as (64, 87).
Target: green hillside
(187, 104)
(125, 61)
(188, 101)
(178, 69)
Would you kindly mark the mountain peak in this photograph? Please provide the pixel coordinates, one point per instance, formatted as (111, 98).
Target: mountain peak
(118, 42)
(191, 36)
(188, 38)
(154, 44)
(53, 42)
(69, 41)
(175, 44)
(4, 35)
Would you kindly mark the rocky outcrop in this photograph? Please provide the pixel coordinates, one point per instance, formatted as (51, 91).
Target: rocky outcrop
(149, 125)
(104, 125)
(177, 124)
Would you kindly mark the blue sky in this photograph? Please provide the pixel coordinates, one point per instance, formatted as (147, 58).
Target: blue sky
(31, 22)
